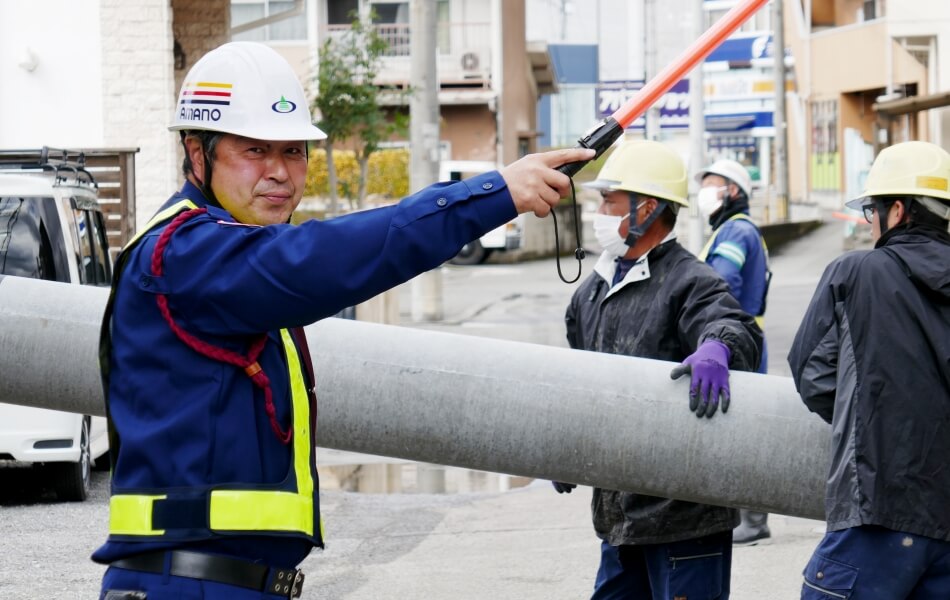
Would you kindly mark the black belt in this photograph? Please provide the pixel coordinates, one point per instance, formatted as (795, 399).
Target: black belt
(220, 569)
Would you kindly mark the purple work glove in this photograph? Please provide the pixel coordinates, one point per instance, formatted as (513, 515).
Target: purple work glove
(563, 488)
(709, 366)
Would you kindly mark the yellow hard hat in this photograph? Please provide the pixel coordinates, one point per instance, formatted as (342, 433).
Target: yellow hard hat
(649, 168)
(908, 169)
(609, 174)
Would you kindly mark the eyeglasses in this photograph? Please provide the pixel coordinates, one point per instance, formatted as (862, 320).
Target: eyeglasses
(868, 212)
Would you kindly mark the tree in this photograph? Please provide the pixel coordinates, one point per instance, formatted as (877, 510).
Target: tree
(348, 100)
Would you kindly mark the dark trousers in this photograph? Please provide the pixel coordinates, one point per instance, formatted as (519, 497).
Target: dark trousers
(697, 568)
(156, 586)
(874, 563)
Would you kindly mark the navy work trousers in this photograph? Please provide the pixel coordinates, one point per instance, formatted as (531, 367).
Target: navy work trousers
(157, 586)
(874, 563)
(697, 568)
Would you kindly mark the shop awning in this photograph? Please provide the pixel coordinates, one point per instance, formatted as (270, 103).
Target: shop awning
(726, 123)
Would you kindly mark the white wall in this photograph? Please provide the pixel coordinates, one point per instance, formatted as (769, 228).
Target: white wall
(139, 95)
(928, 18)
(59, 103)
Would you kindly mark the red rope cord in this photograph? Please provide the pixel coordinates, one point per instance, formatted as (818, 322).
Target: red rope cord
(248, 363)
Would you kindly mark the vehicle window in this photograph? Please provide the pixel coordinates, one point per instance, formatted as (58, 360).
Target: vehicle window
(100, 247)
(87, 260)
(21, 245)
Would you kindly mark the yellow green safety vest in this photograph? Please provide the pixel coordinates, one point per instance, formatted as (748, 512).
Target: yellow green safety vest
(704, 254)
(259, 509)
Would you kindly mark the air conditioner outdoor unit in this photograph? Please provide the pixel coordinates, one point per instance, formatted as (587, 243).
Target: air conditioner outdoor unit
(469, 61)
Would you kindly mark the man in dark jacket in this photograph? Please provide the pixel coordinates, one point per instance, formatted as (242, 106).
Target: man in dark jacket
(872, 357)
(649, 297)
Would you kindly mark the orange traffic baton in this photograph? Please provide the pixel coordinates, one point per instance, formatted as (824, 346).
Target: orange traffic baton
(605, 133)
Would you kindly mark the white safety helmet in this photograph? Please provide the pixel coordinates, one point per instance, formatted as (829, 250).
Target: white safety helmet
(732, 171)
(246, 89)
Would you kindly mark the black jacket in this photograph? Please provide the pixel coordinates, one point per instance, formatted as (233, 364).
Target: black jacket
(872, 357)
(665, 317)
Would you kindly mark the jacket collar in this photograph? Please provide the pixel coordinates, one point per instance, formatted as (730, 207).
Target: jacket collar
(640, 271)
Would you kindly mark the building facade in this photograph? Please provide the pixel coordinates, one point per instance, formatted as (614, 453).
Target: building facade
(853, 60)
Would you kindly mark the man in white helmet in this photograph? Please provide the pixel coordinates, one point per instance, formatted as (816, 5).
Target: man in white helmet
(737, 251)
(872, 357)
(205, 366)
(649, 297)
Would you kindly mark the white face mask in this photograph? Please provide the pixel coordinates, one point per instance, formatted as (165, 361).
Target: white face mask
(709, 200)
(606, 230)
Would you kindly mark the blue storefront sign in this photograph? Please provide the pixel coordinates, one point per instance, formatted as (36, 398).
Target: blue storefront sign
(742, 49)
(674, 105)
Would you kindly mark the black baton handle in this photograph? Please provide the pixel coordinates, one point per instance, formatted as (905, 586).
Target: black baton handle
(601, 137)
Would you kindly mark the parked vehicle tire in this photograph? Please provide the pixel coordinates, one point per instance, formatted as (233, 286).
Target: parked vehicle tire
(71, 480)
(472, 253)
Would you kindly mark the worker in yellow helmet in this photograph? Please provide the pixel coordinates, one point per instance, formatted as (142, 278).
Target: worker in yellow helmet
(649, 297)
(872, 357)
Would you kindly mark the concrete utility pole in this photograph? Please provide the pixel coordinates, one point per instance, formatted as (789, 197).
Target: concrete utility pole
(424, 140)
(424, 137)
(650, 49)
(781, 131)
(697, 135)
(479, 403)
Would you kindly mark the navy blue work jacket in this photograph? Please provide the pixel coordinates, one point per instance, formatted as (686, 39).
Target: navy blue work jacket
(185, 420)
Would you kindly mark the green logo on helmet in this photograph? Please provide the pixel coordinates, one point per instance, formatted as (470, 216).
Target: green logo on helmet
(283, 106)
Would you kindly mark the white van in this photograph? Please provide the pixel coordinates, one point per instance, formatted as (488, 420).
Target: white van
(52, 227)
(506, 237)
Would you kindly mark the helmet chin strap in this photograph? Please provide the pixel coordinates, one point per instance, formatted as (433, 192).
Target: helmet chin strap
(636, 230)
(205, 186)
(882, 208)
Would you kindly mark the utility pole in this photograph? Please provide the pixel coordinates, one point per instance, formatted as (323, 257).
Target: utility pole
(424, 171)
(697, 134)
(424, 140)
(650, 43)
(781, 131)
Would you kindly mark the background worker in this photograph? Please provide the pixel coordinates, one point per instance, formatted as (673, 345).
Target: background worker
(737, 251)
(206, 369)
(651, 298)
(872, 357)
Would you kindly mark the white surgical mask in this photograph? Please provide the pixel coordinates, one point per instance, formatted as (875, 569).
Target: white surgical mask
(709, 200)
(605, 230)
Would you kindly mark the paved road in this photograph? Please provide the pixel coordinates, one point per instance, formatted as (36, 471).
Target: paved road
(524, 543)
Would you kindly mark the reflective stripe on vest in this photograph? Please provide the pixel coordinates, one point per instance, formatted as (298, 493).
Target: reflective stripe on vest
(704, 254)
(238, 510)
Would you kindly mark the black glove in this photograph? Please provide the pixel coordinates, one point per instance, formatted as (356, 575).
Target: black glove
(563, 488)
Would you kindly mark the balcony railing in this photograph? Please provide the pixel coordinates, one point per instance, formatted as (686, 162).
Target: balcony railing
(463, 59)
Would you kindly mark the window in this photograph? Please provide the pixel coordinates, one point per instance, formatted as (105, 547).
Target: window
(571, 112)
(340, 12)
(391, 12)
(287, 29)
(825, 158)
(94, 265)
(100, 248)
(87, 269)
(25, 246)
